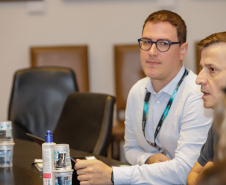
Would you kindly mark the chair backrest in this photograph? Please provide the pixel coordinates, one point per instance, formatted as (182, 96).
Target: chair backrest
(75, 57)
(127, 72)
(37, 97)
(86, 122)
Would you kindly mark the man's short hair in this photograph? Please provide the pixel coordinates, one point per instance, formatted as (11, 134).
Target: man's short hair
(215, 38)
(171, 17)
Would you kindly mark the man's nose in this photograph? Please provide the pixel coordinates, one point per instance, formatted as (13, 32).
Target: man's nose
(153, 50)
(201, 78)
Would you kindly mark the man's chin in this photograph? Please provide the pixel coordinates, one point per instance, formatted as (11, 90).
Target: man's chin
(209, 106)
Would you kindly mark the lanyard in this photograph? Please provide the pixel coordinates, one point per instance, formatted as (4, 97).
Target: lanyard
(165, 113)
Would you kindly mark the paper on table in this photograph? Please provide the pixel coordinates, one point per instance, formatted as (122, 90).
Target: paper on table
(38, 164)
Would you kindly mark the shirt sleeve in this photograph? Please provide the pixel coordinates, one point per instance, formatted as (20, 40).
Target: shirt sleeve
(207, 151)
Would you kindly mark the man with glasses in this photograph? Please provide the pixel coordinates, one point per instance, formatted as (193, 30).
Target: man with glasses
(166, 123)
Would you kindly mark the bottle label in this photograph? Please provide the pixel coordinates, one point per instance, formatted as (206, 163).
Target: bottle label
(47, 166)
(46, 175)
(47, 161)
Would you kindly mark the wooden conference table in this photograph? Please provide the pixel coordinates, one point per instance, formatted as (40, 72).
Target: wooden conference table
(24, 173)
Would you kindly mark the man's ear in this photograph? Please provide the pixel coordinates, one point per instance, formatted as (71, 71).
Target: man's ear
(183, 50)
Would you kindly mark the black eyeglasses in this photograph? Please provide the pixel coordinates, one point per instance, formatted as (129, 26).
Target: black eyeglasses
(162, 45)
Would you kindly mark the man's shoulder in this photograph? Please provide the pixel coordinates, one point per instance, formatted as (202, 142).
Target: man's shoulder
(142, 83)
(138, 88)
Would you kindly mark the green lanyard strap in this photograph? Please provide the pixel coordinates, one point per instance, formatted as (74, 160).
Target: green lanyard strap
(165, 113)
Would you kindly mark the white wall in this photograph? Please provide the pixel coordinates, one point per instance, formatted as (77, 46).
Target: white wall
(98, 23)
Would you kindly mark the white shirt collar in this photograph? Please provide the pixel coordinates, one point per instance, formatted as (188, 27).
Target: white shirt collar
(169, 88)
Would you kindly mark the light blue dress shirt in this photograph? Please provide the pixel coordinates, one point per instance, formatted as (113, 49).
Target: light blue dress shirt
(182, 134)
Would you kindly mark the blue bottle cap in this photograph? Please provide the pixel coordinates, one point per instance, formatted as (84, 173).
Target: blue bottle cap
(48, 137)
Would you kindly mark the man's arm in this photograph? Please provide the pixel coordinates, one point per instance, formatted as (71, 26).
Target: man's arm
(208, 165)
(195, 171)
(207, 154)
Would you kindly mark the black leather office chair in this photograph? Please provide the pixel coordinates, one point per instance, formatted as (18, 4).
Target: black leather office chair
(37, 97)
(86, 122)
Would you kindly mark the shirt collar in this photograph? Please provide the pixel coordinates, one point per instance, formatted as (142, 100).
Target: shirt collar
(169, 88)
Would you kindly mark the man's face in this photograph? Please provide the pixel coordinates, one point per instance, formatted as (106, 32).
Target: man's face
(212, 76)
(162, 67)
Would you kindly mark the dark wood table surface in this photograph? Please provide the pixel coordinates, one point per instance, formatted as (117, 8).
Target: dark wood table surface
(24, 173)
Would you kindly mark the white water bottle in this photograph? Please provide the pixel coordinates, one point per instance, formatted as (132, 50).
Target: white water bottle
(48, 159)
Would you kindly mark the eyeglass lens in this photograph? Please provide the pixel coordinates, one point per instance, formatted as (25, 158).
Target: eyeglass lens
(162, 45)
